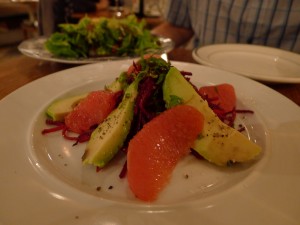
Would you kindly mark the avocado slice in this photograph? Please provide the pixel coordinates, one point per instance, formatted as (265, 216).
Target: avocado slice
(60, 108)
(119, 84)
(110, 135)
(218, 143)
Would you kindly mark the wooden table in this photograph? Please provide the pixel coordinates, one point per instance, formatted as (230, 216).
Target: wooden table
(17, 70)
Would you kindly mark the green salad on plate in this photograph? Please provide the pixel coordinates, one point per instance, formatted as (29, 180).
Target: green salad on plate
(102, 37)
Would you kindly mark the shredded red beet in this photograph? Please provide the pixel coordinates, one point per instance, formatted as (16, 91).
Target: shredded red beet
(53, 129)
(123, 171)
(66, 135)
(145, 92)
(60, 126)
(196, 154)
(244, 111)
(55, 123)
(186, 73)
(147, 104)
(83, 137)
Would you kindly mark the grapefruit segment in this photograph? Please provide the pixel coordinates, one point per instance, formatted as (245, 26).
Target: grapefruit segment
(222, 95)
(91, 111)
(155, 150)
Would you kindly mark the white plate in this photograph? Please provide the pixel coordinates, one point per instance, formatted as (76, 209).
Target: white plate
(43, 181)
(34, 48)
(256, 62)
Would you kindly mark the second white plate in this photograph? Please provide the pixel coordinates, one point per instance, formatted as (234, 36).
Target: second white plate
(253, 61)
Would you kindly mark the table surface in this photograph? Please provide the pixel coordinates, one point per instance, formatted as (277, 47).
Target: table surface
(17, 70)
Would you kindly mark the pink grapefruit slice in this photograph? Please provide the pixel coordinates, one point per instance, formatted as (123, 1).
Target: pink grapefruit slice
(156, 149)
(222, 95)
(91, 111)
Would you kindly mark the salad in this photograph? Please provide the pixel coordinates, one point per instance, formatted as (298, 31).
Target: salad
(102, 37)
(152, 89)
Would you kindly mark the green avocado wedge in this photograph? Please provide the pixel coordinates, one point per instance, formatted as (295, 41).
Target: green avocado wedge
(218, 143)
(60, 108)
(109, 136)
(119, 84)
